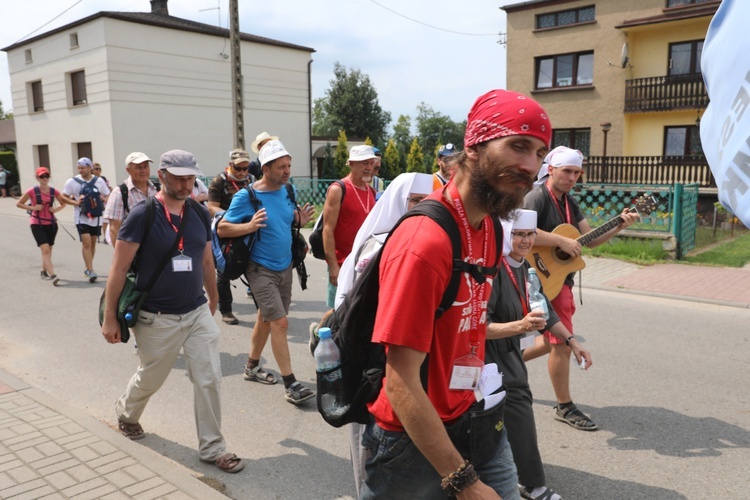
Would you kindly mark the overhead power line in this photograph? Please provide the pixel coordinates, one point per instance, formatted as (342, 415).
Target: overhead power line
(430, 25)
(45, 24)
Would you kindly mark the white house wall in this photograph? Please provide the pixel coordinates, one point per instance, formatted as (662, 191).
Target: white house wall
(152, 89)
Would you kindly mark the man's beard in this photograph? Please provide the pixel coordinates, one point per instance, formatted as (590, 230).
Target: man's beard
(484, 189)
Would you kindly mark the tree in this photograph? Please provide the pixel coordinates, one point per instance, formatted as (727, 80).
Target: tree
(391, 165)
(3, 114)
(329, 169)
(435, 129)
(402, 137)
(351, 103)
(321, 122)
(415, 160)
(341, 156)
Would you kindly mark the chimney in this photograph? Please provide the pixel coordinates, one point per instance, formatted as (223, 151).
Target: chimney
(159, 7)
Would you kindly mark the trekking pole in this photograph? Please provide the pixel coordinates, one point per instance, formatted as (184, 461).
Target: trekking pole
(62, 226)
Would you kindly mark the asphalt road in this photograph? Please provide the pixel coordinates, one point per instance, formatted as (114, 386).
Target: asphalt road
(668, 387)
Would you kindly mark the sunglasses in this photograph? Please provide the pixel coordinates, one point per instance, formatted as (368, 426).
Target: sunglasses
(44, 176)
(242, 169)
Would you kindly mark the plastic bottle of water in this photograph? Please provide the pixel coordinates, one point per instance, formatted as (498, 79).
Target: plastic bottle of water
(328, 360)
(536, 299)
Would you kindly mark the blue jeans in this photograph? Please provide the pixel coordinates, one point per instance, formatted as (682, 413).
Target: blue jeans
(397, 469)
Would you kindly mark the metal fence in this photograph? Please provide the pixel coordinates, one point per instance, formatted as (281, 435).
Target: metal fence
(674, 210)
(313, 191)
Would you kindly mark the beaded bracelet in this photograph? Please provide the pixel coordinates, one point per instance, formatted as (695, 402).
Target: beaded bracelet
(460, 479)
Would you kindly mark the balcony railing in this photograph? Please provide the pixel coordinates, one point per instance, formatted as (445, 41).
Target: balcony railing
(650, 170)
(665, 93)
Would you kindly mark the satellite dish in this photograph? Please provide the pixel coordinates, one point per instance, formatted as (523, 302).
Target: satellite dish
(624, 55)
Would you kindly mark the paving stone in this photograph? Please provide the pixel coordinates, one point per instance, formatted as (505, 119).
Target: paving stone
(116, 495)
(23, 474)
(30, 455)
(84, 453)
(26, 441)
(34, 494)
(6, 481)
(103, 448)
(50, 448)
(84, 487)
(139, 472)
(7, 434)
(112, 457)
(54, 432)
(178, 495)
(157, 492)
(96, 493)
(58, 466)
(120, 479)
(140, 487)
(20, 489)
(10, 464)
(47, 461)
(60, 480)
(53, 496)
(82, 473)
(113, 466)
(73, 428)
(24, 429)
(77, 440)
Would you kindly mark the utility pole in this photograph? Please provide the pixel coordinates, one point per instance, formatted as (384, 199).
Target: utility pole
(238, 102)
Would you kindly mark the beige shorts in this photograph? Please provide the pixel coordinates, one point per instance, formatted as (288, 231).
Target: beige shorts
(272, 290)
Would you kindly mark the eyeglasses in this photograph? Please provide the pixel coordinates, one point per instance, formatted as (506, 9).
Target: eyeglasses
(97, 170)
(523, 236)
(44, 176)
(241, 169)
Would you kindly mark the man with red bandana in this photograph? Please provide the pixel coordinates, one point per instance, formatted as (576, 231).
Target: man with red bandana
(554, 205)
(440, 441)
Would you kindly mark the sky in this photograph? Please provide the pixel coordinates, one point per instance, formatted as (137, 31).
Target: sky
(441, 52)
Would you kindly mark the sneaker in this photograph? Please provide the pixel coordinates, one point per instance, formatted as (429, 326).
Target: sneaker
(92, 276)
(55, 280)
(229, 318)
(538, 493)
(44, 275)
(298, 393)
(314, 339)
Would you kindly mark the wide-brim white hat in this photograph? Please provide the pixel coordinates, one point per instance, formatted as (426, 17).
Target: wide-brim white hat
(263, 136)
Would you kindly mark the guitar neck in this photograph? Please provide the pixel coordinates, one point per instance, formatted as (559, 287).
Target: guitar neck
(587, 238)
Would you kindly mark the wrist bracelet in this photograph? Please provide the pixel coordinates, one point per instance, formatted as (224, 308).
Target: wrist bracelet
(567, 341)
(460, 479)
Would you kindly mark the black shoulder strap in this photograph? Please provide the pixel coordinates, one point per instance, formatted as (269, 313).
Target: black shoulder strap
(201, 213)
(150, 214)
(37, 195)
(290, 193)
(255, 203)
(342, 185)
(124, 192)
(223, 176)
(442, 216)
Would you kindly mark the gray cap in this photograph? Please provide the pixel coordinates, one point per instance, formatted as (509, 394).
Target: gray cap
(179, 162)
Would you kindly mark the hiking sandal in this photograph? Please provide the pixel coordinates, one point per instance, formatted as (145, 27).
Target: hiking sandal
(545, 494)
(258, 374)
(133, 432)
(229, 462)
(574, 418)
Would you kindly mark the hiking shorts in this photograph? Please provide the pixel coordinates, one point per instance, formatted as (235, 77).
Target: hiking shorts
(565, 307)
(86, 229)
(44, 235)
(272, 290)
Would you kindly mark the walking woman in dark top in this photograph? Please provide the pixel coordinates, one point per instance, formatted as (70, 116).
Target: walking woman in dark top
(512, 327)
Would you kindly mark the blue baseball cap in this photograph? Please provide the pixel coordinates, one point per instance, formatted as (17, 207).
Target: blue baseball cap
(447, 150)
(376, 151)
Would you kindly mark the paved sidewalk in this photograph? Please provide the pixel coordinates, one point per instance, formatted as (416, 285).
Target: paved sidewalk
(713, 285)
(49, 450)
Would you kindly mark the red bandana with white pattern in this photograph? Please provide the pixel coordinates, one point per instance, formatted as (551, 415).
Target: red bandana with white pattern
(500, 113)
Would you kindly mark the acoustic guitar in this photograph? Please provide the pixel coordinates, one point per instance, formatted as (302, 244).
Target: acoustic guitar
(553, 264)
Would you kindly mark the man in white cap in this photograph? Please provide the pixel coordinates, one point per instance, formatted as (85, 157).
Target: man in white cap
(176, 316)
(555, 206)
(270, 270)
(136, 188)
(343, 215)
(88, 194)
(260, 140)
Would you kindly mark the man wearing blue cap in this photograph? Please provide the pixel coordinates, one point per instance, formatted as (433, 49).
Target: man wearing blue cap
(446, 165)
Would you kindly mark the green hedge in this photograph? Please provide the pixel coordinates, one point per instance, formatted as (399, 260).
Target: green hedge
(8, 161)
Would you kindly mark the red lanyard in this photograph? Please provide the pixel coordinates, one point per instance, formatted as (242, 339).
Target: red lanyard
(236, 187)
(477, 290)
(524, 303)
(566, 215)
(180, 246)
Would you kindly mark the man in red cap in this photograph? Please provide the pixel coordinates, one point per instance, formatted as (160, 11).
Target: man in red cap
(443, 438)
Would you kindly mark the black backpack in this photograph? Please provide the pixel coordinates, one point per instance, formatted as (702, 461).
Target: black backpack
(299, 245)
(91, 205)
(232, 255)
(316, 237)
(363, 361)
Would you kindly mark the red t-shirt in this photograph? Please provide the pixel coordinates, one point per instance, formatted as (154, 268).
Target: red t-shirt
(354, 209)
(414, 272)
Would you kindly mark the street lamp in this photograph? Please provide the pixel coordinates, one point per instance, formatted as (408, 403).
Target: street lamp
(605, 129)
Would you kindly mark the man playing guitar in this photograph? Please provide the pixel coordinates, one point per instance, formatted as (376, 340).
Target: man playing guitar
(555, 206)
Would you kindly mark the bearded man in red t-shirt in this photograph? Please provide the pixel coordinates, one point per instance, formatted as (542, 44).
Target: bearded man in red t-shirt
(422, 443)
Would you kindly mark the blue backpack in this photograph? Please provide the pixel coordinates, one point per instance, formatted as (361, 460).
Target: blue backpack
(92, 204)
(232, 255)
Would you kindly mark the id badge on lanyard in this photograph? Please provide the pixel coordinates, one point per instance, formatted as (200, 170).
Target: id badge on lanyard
(181, 263)
(467, 369)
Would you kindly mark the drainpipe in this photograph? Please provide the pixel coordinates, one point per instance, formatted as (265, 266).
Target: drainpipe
(309, 114)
